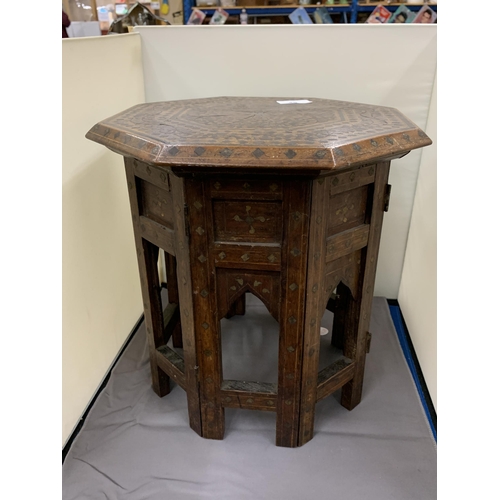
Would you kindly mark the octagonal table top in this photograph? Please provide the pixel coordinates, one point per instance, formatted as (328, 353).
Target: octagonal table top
(259, 132)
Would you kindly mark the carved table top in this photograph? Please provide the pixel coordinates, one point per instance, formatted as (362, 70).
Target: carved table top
(259, 132)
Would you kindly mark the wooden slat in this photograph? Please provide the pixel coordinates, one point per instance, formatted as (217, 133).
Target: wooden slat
(333, 377)
(172, 364)
(249, 395)
(159, 235)
(347, 242)
(260, 257)
(351, 179)
(246, 188)
(159, 176)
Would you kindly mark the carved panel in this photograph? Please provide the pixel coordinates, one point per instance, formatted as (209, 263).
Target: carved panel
(232, 283)
(347, 210)
(346, 269)
(156, 204)
(352, 179)
(252, 221)
(262, 257)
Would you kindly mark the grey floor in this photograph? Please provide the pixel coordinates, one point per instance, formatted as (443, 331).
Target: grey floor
(136, 446)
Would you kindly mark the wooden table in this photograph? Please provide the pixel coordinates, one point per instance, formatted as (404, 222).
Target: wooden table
(282, 200)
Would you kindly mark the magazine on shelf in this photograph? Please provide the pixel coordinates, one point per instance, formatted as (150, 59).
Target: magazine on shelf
(380, 15)
(196, 17)
(425, 16)
(300, 16)
(402, 15)
(321, 16)
(219, 17)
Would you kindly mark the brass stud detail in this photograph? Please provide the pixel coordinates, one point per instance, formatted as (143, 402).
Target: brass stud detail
(339, 151)
(207, 352)
(250, 401)
(202, 258)
(209, 380)
(205, 325)
(292, 320)
(204, 293)
(197, 205)
(290, 376)
(288, 402)
(265, 290)
(357, 147)
(293, 287)
(406, 137)
(273, 187)
(320, 153)
(371, 171)
(352, 176)
(222, 256)
(315, 288)
(390, 140)
(258, 153)
(239, 281)
(226, 152)
(271, 258)
(295, 252)
(269, 402)
(257, 283)
(200, 230)
(313, 322)
(245, 257)
(290, 348)
(217, 185)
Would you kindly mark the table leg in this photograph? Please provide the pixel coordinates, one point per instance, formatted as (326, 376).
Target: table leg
(296, 204)
(357, 319)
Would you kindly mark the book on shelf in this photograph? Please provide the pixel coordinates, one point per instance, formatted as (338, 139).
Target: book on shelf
(425, 16)
(402, 15)
(196, 17)
(380, 15)
(300, 16)
(219, 17)
(321, 16)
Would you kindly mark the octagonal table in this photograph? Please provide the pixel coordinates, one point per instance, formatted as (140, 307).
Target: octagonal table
(282, 198)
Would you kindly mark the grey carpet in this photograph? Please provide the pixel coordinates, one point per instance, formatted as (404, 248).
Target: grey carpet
(136, 446)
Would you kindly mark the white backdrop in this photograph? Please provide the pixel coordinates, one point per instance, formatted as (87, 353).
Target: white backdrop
(383, 65)
(101, 76)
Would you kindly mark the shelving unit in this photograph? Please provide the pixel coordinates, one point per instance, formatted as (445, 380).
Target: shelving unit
(350, 11)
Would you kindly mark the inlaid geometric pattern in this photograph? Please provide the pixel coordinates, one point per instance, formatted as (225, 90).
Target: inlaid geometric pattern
(258, 132)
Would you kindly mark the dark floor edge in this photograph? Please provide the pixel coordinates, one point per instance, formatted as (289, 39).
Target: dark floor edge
(105, 381)
(413, 364)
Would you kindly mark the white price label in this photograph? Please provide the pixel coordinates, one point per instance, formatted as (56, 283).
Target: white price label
(299, 101)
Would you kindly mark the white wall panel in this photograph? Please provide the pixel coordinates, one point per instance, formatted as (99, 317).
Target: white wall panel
(418, 291)
(384, 65)
(101, 291)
